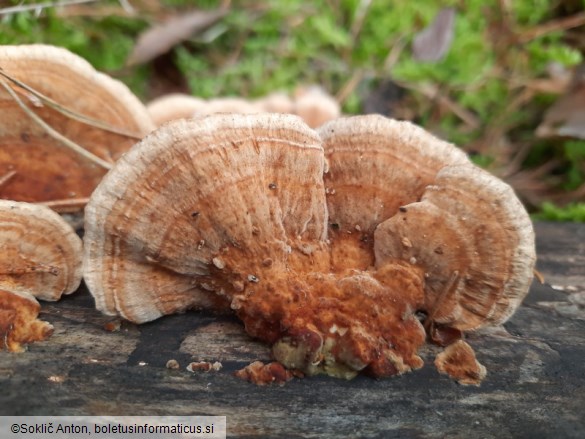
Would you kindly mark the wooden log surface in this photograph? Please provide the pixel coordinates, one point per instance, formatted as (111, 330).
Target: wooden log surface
(535, 385)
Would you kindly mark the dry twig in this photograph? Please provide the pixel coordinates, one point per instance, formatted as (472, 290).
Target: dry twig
(552, 26)
(38, 7)
(349, 86)
(69, 113)
(431, 91)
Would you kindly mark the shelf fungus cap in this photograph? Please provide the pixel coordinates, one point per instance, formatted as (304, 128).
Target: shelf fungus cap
(324, 243)
(377, 165)
(417, 199)
(475, 242)
(41, 254)
(315, 105)
(163, 227)
(41, 258)
(276, 102)
(42, 168)
(229, 105)
(174, 106)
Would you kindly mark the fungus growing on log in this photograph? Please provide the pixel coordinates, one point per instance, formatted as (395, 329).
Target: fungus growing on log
(62, 124)
(41, 258)
(315, 105)
(173, 106)
(312, 104)
(327, 244)
(18, 321)
(276, 102)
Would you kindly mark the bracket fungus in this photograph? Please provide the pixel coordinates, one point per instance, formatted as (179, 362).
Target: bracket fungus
(327, 244)
(313, 104)
(62, 124)
(173, 106)
(41, 259)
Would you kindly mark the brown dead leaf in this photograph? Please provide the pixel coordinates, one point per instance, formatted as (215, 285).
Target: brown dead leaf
(535, 186)
(435, 40)
(566, 117)
(160, 38)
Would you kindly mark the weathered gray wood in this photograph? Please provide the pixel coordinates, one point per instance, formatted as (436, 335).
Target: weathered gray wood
(535, 385)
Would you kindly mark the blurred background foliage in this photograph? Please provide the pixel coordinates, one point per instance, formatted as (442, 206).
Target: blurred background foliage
(508, 88)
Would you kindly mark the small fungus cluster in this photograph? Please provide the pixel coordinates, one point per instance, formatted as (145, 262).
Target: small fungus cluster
(328, 244)
(312, 104)
(344, 247)
(62, 126)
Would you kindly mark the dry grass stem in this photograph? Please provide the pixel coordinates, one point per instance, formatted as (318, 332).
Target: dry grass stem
(349, 87)
(552, 26)
(66, 206)
(431, 91)
(69, 113)
(6, 178)
(38, 7)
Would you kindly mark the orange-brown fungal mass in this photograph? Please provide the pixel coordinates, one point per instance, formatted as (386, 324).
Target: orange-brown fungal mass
(459, 362)
(41, 167)
(325, 243)
(262, 374)
(41, 254)
(18, 321)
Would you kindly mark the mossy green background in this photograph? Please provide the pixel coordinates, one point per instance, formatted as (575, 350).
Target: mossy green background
(262, 46)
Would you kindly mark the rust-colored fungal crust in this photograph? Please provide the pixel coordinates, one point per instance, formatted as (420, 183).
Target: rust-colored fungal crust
(459, 362)
(18, 321)
(40, 166)
(41, 254)
(327, 244)
(263, 374)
